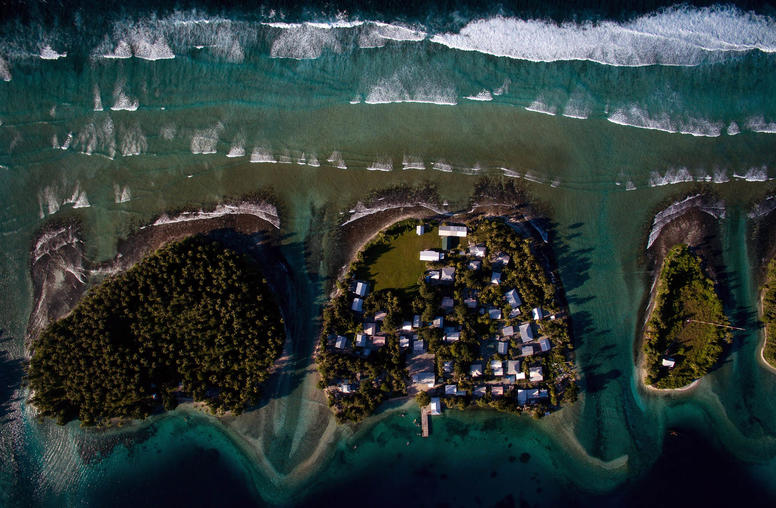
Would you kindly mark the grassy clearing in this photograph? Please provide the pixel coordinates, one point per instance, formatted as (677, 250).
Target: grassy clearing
(397, 265)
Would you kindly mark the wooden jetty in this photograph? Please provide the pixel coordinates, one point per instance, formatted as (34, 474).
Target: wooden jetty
(424, 417)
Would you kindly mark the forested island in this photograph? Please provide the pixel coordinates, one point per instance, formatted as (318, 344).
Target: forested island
(193, 319)
(687, 330)
(464, 313)
(769, 314)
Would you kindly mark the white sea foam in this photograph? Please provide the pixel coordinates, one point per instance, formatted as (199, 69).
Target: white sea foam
(305, 41)
(510, 173)
(205, 141)
(151, 49)
(121, 101)
(50, 198)
(385, 164)
(301, 160)
(753, 175)
(442, 166)
(336, 160)
(168, 132)
(720, 176)
(262, 155)
(121, 194)
(671, 176)
(375, 34)
(77, 198)
(483, 95)
(97, 99)
(312, 161)
(636, 117)
(285, 158)
(758, 124)
(733, 129)
(577, 107)
(5, 70)
(413, 162)
(675, 36)
(264, 211)
(238, 147)
(68, 141)
(398, 89)
(504, 88)
(538, 106)
(47, 53)
(715, 209)
(122, 50)
(132, 141)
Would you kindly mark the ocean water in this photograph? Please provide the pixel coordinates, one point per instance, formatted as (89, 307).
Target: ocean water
(606, 114)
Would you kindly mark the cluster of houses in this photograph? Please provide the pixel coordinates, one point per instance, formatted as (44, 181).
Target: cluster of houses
(494, 376)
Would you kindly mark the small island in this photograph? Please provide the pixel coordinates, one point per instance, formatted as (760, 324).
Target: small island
(769, 314)
(457, 311)
(687, 330)
(192, 319)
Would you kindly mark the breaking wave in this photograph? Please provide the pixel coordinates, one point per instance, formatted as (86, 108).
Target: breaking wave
(675, 36)
(483, 95)
(397, 89)
(46, 53)
(121, 194)
(636, 117)
(337, 161)
(262, 155)
(132, 141)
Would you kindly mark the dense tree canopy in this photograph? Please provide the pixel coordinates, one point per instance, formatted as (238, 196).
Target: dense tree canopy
(193, 318)
(688, 323)
(769, 314)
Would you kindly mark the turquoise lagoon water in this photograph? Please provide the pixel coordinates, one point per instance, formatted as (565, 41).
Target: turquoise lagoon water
(604, 120)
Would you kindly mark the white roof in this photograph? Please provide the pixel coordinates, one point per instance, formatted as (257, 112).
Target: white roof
(406, 326)
(536, 374)
(378, 340)
(420, 229)
(526, 332)
(475, 264)
(416, 321)
(477, 250)
(342, 341)
(418, 346)
(513, 298)
(503, 347)
(508, 331)
(497, 390)
(448, 273)
(668, 362)
(451, 389)
(361, 288)
(358, 304)
(480, 391)
(520, 375)
(370, 328)
(439, 322)
(528, 351)
(361, 340)
(495, 278)
(404, 342)
(430, 255)
(435, 406)
(513, 366)
(344, 388)
(453, 231)
(475, 370)
(496, 364)
(425, 378)
(544, 343)
(453, 336)
(494, 313)
(538, 313)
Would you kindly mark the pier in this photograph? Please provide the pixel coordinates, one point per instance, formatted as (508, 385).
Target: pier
(424, 417)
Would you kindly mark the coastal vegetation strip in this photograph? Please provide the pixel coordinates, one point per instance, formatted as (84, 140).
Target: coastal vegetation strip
(687, 330)
(464, 312)
(192, 319)
(769, 314)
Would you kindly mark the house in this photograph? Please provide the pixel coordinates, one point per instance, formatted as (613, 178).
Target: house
(435, 406)
(508, 331)
(427, 379)
(497, 367)
(536, 393)
(509, 379)
(522, 395)
(526, 332)
(459, 231)
(494, 313)
(370, 328)
(447, 303)
(420, 229)
(448, 274)
(544, 344)
(475, 370)
(497, 391)
(528, 351)
(361, 288)
(513, 366)
(380, 315)
(535, 374)
(342, 342)
(378, 340)
(514, 313)
(416, 321)
(433, 275)
(520, 376)
(495, 278)
(438, 322)
(453, 336)
(447, 367)
(451, 389)
(502, 348)
(668, 362)
(418, 347)
(513, 298)
(404, 342)
(474, 265)
(480, 391)
(358, 304)
(477, 251)
(361, 340)
(470, 302)
(538, 313)
(500, 260)
(345, 388)
(431, 255)
(406, 326)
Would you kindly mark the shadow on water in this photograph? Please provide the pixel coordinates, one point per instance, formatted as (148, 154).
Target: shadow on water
(574, 264)
(11, 374)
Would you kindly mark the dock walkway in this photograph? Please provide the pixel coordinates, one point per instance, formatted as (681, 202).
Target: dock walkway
(424, 416)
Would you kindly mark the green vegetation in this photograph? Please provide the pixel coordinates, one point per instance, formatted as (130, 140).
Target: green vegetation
(391, 261)
(357, 378)
(769, 314)
(679, 329)
(193, 317)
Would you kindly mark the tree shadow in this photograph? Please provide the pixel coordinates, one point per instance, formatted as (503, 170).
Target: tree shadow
(11, 376)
